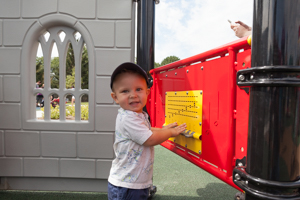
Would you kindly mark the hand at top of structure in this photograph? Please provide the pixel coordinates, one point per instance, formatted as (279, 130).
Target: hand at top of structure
(241, 29)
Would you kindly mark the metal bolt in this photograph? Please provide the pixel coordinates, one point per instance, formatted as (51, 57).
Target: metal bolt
(166, 93)
(237, 177)
(175, 93)
(165, 115)
(200, 92)
(251, 77)
(240, 164)
(187, 71)
(246, 182)
(199, 152)
(202, 68)
(185, 145)
(174, 140)
(175, 73)
(241, 77)
(187, 92)
(166, 75)
(200, 123)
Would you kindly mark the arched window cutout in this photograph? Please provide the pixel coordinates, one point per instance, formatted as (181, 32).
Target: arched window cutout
(77, 36)
(54, 111)
(62, 35)
(39, 102)
(70, 107)
(53, 49)
(84, 68)
(39, 68)
(70, 68)
(84, 106)
(47, 36)
(54, 70)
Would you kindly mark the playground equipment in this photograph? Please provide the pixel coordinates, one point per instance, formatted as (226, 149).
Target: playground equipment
(201, 91)
(232, 94)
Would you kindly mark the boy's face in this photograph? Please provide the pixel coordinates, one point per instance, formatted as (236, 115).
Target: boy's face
(130, 91)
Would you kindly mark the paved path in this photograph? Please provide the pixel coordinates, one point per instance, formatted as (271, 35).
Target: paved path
(175, 178)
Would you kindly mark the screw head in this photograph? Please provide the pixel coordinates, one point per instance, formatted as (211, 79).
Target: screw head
(202, 68)
(252, 77)
(175, 73)
(200, 123)
(185, 145)
(237, 177)
(200, 92)
(187, 92)
(240, 164)
(199, 152)
(242, 77)
(187, 71)
(175, 93)
(166, 75)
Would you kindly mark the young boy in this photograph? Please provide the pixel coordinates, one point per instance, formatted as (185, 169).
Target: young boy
(132, 169)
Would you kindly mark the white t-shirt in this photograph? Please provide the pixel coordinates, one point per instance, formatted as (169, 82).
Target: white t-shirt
(133, 165)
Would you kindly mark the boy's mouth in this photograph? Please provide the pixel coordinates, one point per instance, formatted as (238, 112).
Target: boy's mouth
(134, 103)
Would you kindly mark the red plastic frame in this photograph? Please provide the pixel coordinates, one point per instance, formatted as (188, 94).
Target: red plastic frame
(225, 106)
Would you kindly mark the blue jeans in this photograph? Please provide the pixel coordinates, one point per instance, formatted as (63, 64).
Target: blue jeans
(120, 193)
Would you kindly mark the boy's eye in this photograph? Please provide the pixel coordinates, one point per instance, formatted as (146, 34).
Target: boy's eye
(139, 89)
(124, 91)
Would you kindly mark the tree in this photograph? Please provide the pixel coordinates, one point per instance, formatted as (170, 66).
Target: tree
(54, 70)
(70, 69)
(156, 65)
(70, 79)
(169, 59)
(39, 69)
(85, 69)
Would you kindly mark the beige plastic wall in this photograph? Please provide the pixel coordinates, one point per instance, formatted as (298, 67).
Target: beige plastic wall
(59, 155)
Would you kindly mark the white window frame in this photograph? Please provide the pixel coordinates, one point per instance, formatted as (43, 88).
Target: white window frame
(35, 35)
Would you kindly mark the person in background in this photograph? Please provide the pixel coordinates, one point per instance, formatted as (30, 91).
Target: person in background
(73, 97)
(39, 96)
(37, 84)
(241, 29)
(55, 102)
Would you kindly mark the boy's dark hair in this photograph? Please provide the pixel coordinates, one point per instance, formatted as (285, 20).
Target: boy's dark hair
(128, 67)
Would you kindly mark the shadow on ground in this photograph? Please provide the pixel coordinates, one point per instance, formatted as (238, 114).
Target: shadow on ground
(213, 191)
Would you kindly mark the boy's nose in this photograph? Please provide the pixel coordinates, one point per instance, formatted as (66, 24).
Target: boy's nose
(133, 95)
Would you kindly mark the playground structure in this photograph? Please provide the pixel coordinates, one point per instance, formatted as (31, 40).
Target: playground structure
(242, 111)
(240, 102)
(60, 155)
(201, 91)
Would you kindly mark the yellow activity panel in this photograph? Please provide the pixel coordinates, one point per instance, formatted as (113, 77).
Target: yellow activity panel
(186, 107)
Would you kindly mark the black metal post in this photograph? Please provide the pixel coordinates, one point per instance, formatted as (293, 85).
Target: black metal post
(145, 34)
(273, 153)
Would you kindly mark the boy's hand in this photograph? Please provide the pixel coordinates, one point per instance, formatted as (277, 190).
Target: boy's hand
(172, 125)
(178, 129)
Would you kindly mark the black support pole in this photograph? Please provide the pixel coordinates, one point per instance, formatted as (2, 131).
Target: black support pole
(145, 34)
(273, 153)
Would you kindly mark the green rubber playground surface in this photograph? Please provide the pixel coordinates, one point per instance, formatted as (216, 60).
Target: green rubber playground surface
(174, 177)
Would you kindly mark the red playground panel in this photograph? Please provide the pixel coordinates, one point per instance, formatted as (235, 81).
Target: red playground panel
(224, 115)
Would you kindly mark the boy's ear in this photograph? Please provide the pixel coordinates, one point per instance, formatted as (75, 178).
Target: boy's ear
(114, 96)
(148, 91)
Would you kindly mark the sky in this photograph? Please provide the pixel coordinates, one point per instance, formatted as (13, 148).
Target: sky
(185, 28)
